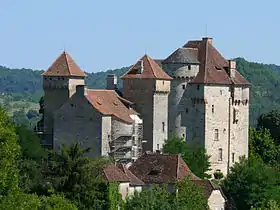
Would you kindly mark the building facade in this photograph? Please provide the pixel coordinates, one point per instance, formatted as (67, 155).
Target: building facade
(195, 93)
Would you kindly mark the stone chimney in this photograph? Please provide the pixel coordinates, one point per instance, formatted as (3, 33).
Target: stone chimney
(231, 68)
(111, 82)
(81, 90)
(208, 39)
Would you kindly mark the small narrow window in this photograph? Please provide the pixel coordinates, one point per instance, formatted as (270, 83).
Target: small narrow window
(163, 126)
(163, 82)
(232, 157)
(221, 92)
(216, 135)
(157, 146)
(184, 86)
(213, 109)
(189, 67)
(72, 105)
(187, 110)
(220, 155)
(197, 87)
(183, 135)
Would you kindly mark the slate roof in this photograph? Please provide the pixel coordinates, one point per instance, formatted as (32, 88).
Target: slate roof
(108, 102)
(213, 66)
(113, 174)
(64, 65)
(161, 168)
(134, 180)
(151, 70)
(183, 55)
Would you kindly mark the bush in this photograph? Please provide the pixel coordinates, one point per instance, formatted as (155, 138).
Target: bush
(218, 175)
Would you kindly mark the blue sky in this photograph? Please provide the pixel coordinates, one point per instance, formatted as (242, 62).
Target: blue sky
(105, 34)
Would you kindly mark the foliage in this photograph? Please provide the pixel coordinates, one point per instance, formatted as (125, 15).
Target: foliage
(271, 121)
(218, 175)
(251, 183)
(9, 152)
(56, 202)
(114, 197)
(189, 196)
(185, 195)
(193, 154)
(262, 144)
(78, 178)
(155, 199)
(270, 205)
(19, 200)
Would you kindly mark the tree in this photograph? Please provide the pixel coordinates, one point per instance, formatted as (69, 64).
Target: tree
(78, 177)
(56, 202)
(261, 143)
(193, 154)
(185, 195)
(271, 121)
(9, 152)
(251, 183)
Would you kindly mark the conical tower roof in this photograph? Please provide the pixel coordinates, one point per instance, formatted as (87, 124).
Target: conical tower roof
(64, 65)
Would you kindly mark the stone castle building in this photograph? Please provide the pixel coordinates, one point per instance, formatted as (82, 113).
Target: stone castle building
(195, 93)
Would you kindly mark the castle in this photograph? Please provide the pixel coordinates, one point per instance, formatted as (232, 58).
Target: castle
(195, 93)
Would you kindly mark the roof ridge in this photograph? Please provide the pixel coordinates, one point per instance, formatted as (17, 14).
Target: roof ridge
(149, 62)
(67, 61)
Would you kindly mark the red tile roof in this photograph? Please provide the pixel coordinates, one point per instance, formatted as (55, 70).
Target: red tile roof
(134, 180)
(108, 102)
(151, 70)
(213, 66)
(113, 174)
(64, 65)
(161, 168)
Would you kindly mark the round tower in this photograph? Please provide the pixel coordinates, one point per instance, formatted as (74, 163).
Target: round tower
(182, 65)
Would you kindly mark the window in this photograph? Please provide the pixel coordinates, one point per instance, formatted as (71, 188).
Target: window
(163, 82)
(184, 86)
(157, 146)
(189, 67)
(216, 134)
(235, 116)
(197, 87)
(183, 135)
(213, 109)
(221, 92)
(220, 158)
(232, 157)
(187, 110)
(72, 105)
(163, 126)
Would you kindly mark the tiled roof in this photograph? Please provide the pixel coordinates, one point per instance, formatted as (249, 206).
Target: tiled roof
(134, 180)
(113, 174)
(213, 66)
(108, 102)
(208, 187)
(161, 168)
(151, 70)
(183, 55)
(64, 65)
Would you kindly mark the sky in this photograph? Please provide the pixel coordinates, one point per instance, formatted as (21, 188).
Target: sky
(109, 34)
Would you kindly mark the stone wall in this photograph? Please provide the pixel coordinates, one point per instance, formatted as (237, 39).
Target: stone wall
(216, 200)
(76, 121)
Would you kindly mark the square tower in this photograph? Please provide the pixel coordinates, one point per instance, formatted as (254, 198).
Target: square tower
(148, 86)
(59, 84)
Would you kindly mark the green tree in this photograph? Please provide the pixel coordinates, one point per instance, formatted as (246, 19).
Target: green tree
(193, 154)
(56, 202)
(78, 177)
(271, 121)
(251, 183)
(189, 196)
(9, 152)
(261, 143)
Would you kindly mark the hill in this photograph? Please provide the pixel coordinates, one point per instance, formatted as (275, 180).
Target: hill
(22, 88)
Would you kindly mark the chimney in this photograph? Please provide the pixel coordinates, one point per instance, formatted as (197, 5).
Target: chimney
(231, 68)
(111, 82)
(208, 39)
(81, 90)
